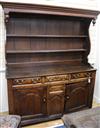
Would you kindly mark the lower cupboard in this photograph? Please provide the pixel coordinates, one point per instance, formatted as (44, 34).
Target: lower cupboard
(36, 101)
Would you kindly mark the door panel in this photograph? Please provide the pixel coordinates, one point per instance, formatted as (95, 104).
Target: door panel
(29, 101)
(76, 96)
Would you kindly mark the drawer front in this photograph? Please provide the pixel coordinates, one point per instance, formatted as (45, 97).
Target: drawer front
(80, 75)
(56, 89)
(40, 80)
(67, 78)
(27, 81)
(57, 78)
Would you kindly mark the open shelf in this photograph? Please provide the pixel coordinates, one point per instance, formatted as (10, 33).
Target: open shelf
(46, 36)
(45, 51)
(44, 62)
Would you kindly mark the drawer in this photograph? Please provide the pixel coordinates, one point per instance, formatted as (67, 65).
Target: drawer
(81, 75)
(54, 89)
(57, 78)
(51, 79)
(23, 81)
(41, 79)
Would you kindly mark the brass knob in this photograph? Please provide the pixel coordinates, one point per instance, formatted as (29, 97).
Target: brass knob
(44, 99)
(89, 80)
(67, 97)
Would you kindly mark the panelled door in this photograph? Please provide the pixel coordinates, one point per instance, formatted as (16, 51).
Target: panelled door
(29, 100)
(76, 96)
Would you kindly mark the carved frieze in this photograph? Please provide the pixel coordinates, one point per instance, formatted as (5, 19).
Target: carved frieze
(58, 78)
(27, 81)
(50, 79)
(80, 75)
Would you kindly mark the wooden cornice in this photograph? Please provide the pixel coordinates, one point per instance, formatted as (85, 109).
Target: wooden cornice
(46, 9)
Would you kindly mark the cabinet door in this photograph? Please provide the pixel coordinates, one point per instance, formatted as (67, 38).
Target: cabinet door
(76, 96)
(29, 101)
(55, 103)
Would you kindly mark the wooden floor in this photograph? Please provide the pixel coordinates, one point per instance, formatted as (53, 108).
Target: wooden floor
(46, 124)
(50, 124)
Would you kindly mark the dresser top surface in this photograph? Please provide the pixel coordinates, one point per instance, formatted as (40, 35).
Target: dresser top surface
(46, 70)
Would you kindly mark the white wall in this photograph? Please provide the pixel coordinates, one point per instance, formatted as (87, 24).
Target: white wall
(3, 85)
(93, 58)
(97, 88)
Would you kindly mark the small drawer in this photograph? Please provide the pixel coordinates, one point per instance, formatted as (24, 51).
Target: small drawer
(80, 75)
(57, 78)
(52, 89)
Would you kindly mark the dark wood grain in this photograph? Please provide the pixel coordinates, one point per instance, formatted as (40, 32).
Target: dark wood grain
(45, 51)
(55, 96)
(44, 36)
(48, 72)
(32, 99)
(76, 96)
